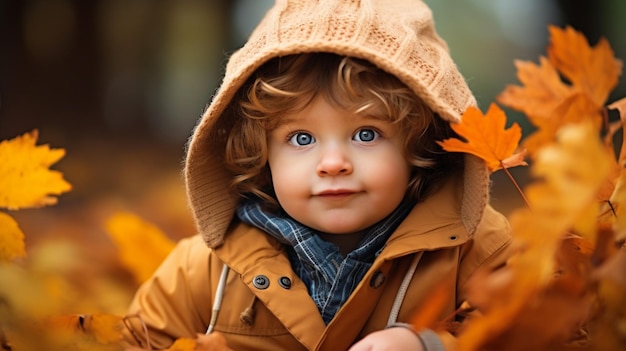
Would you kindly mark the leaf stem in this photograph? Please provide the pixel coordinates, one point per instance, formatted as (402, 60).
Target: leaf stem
(519, 190)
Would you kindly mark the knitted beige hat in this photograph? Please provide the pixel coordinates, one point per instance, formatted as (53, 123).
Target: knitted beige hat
(398, 36)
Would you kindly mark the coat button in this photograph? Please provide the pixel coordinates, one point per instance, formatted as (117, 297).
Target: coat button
(377, 279)
(261, 282)
(284, 282)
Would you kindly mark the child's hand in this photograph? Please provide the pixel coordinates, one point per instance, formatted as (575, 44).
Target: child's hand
(396, 339)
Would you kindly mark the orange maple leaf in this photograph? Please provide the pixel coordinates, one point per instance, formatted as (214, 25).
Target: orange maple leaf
(547, 100)
(25, 180)
(542, 90)
(594, 70)
(486, 137)
(614, 210)
(575, 108)
(142, 246)
(427, 315)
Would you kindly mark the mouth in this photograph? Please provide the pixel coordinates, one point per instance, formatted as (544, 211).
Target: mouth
(336, 193)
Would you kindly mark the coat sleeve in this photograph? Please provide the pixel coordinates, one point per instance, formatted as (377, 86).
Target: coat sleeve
(176, 301)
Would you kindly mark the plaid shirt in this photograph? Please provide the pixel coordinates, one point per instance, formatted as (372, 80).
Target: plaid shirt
(329, 277)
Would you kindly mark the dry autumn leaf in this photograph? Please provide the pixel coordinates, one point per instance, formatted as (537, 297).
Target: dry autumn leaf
(541, 92)
(593, 70)
(25, 178)
(547, 100)
(183, 344)
(619, 105)
(209, 342)
(212, 342)
(552, 315)
(576, 108)
(607, 327)
(11, 240)
(142, 246)
(614, 210)
(427, 315)
(525, 296)
(486, 137)
(105, 328)
(573, 171)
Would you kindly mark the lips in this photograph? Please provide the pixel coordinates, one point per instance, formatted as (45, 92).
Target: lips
(336, 193)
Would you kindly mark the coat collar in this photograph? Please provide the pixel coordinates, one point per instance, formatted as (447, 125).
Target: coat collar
(432, 224)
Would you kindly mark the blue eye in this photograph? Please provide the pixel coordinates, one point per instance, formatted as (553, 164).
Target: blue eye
(366, 135)
(301, 139)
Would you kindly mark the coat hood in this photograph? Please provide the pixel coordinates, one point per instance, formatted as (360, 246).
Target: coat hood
(398, 36)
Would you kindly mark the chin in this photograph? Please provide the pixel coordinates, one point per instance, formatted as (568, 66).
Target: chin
(342, 229)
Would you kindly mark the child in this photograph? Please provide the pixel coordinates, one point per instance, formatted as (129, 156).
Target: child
(329, 211)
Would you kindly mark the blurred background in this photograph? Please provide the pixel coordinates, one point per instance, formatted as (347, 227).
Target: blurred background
(119, 84)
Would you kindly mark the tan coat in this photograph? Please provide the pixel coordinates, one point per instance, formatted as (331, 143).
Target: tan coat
(177, 301)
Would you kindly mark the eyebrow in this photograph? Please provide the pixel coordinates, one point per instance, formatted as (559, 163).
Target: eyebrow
(285, 120)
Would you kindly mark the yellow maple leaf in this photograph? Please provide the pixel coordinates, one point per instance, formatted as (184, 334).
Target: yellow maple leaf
(105, 328)
(142, 246)
(11, 240)
(25, 180)
(573, 171)
(486, 137)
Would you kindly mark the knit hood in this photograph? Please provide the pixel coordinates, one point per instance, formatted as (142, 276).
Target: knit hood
(398, 36)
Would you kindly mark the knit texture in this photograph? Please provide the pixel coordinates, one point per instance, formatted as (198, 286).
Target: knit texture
(398, 36)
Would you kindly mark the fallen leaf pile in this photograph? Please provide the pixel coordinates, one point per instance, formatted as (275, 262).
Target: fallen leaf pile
(564, 287)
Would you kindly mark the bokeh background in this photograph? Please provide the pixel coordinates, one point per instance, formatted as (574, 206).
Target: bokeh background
(119, 84)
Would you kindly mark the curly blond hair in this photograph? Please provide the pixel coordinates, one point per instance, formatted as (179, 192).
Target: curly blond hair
(288, 84)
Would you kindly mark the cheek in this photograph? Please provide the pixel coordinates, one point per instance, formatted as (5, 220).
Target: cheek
(285, 176)
(392, 174)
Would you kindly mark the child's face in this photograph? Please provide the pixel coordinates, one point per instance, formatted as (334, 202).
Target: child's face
(335, 171)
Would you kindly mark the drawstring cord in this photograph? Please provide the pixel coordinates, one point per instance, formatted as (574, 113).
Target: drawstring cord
(247, 317)
(397, 303)
(219, 296)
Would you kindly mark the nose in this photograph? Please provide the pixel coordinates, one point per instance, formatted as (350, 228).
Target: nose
(334, 161)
